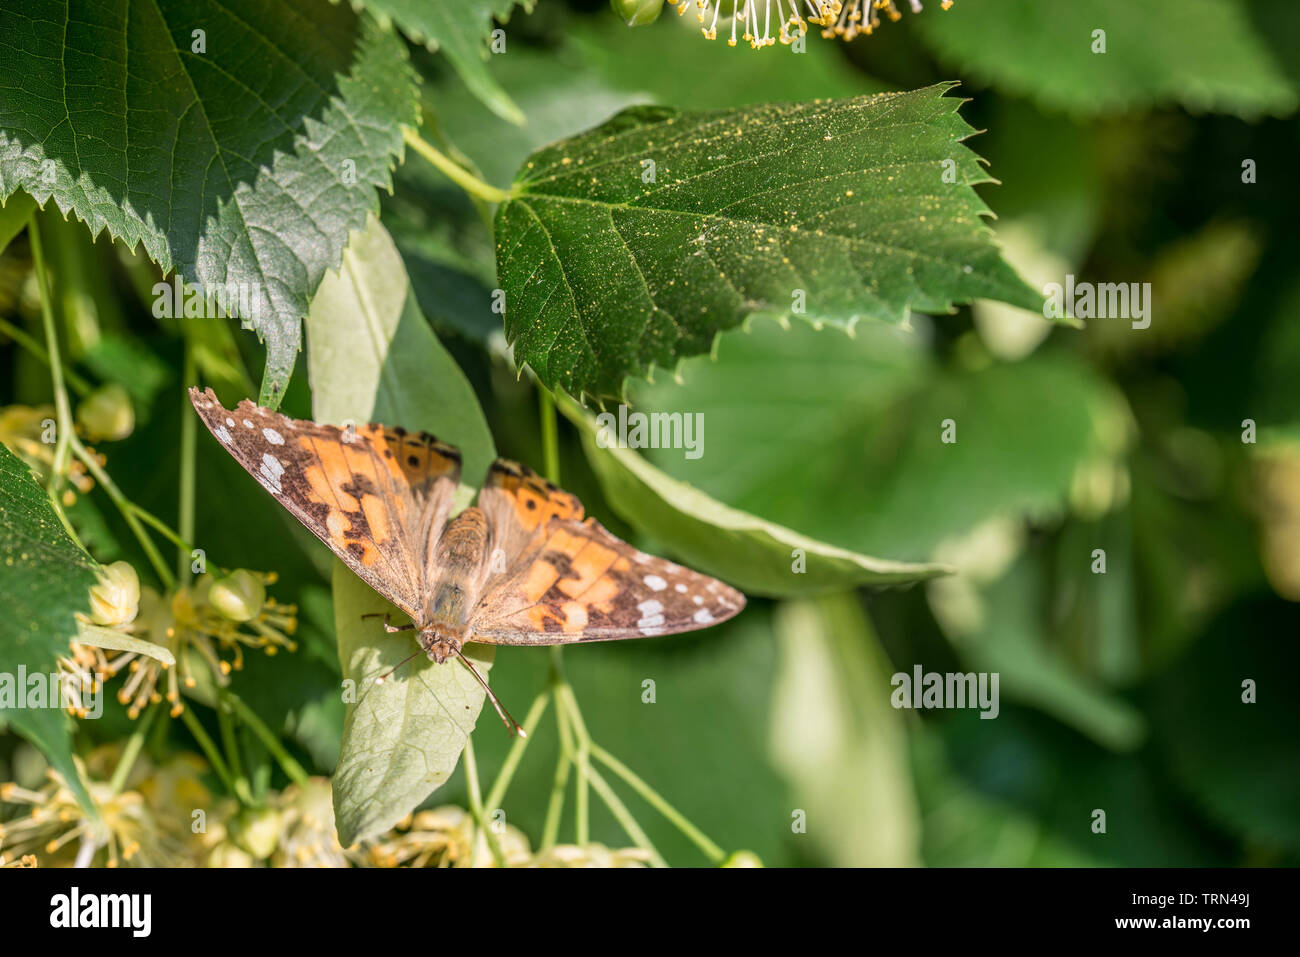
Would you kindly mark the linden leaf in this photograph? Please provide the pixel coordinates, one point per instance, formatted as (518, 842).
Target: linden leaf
(239, 141)
(372, 357)
(45, 579)
(636, 243)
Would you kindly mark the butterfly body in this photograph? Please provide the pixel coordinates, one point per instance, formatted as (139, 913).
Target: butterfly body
(520, 567)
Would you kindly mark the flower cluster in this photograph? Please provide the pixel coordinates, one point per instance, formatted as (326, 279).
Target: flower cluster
(214, 619)
(757, 26)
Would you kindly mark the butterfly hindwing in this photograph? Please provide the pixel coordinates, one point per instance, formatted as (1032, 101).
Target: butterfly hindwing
(571, 580)
(371, 494)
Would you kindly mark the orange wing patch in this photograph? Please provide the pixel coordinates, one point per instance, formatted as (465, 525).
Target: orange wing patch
(341, 485)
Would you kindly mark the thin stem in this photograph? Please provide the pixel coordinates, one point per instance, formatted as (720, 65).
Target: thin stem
(75, 382)
(550, 435)
(255, 724)
(210, 750)
(185, 505)
(656, 800)
(162, 527)
(476, 808)
(62, 409)
(555, 806)
(516, 752)
(132, 749)
(624, 817)
(452, 170)
(242, 788)
(128, 511)
(581, 759)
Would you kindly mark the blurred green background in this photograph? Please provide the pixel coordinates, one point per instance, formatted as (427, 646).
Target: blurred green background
(1120, 691)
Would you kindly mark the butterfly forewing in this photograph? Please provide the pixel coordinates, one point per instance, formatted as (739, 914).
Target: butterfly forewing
(370, 494)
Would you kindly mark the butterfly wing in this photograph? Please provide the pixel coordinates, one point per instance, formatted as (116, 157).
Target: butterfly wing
(568, 580)
(374, 496)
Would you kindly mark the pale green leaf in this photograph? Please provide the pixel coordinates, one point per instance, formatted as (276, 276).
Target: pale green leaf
(833, 210)
(88, 634)
(837, 738)
(371, 356)
(402, 738)
(246, 163)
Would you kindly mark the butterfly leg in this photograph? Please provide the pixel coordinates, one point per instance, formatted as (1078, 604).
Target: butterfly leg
(390, 628)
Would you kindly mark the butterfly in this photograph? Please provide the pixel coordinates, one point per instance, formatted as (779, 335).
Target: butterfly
(522, 566)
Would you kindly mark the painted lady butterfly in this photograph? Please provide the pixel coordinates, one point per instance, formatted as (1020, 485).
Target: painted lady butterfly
(520, 567)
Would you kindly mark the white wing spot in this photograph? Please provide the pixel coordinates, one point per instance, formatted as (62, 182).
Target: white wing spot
(272, 436)
(697, 599)
(651, 624)
(247, 424)
(229, 421)
(703, 616)
(650, 607)
(679, 588)
(223, 434)
(272, 470)
(655, 583)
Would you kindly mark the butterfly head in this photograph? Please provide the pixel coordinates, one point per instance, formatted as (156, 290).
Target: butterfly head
(441, 641)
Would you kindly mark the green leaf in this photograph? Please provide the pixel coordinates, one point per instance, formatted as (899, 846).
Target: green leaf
(460, 28)
(14, 215)
(757, 556)
(837, 738)
(1201, 54)
(836, 209)
(45, 579)
(244, 164)
(841, 438)
(371, 356)
(402, 738)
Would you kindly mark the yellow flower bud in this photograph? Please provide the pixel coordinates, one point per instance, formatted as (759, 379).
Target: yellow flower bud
(239, 596)
(115, 600)
(742, 859)
(107, 413)
(256, 830)
(637, 13)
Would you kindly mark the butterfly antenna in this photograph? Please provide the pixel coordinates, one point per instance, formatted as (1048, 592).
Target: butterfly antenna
(384, 677)
(512, 725)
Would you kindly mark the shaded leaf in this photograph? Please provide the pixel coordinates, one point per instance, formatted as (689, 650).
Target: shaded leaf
(1201, 54)
(841, 438)
(460, 28)
(14, 215)
(836, 208)
(247, 163)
